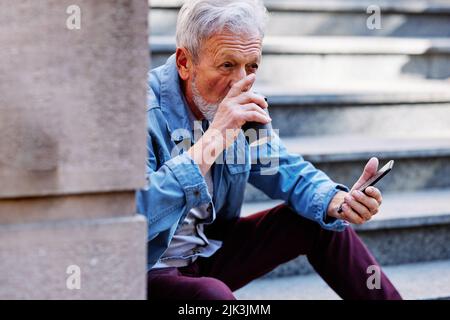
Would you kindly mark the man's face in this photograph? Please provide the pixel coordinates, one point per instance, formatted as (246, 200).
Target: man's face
(224, 59)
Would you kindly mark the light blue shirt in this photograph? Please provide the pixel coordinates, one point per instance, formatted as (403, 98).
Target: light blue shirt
(175, 184)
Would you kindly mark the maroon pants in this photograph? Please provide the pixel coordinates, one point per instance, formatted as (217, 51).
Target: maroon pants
(256, 244)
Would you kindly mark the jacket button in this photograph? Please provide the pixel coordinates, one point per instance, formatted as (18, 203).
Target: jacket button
(196, 193)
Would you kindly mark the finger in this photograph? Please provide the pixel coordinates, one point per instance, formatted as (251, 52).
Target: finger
(374, 193)
(255, 116)
(358, 207)
(369, 170)
(251, 97)
(349, 215)
(254, 107)
(242, 85)
(370, 203)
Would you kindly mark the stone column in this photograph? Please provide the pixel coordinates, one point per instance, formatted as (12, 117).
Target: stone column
(72, 148)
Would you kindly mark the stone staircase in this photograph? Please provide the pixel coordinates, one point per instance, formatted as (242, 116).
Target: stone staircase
(341, 93)
(416, 281)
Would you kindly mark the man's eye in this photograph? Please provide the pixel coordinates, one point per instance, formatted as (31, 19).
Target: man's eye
(227, 65)
(255, 66)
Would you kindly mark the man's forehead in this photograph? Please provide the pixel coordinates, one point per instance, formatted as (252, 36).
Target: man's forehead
(253, 55)
(226, 45)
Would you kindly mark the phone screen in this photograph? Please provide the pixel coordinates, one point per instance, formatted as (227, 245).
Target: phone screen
(377, 177)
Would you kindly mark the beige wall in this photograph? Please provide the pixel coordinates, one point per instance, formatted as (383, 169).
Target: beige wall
(72, 148)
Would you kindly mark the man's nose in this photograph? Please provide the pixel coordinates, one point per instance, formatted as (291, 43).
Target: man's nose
(238, 75)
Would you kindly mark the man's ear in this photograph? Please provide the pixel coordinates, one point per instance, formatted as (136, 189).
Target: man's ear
(184, 63)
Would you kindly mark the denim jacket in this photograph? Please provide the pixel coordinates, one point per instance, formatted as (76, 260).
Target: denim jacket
(175, 184)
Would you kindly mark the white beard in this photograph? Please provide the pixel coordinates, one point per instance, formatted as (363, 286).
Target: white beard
(207, 109)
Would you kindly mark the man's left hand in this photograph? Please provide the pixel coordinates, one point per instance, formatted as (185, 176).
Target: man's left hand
(358, 207)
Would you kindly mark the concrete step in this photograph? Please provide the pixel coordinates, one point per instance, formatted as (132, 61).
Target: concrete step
(425, 120)
(410, 227)
(302, 60)
(421, 108)
(420, 163)
(399, 18)
(418, 281)
(306, 60)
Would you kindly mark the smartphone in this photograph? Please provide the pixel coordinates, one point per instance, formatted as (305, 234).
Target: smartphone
(377, 177)
(256, 127)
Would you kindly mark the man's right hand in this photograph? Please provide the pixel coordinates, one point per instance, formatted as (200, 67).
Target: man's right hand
(238, 107)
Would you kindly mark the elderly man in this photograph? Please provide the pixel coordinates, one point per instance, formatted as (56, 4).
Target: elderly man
(198, 246)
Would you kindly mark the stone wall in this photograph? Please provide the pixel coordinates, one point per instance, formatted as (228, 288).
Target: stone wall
(72, 148)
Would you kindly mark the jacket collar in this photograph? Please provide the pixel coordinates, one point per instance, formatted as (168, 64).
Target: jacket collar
(172, 101)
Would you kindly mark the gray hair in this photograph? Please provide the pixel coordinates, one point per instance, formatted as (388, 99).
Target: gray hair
(200, 19)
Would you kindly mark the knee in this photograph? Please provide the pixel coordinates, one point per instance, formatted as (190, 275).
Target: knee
(212, 289)
(346, 237)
